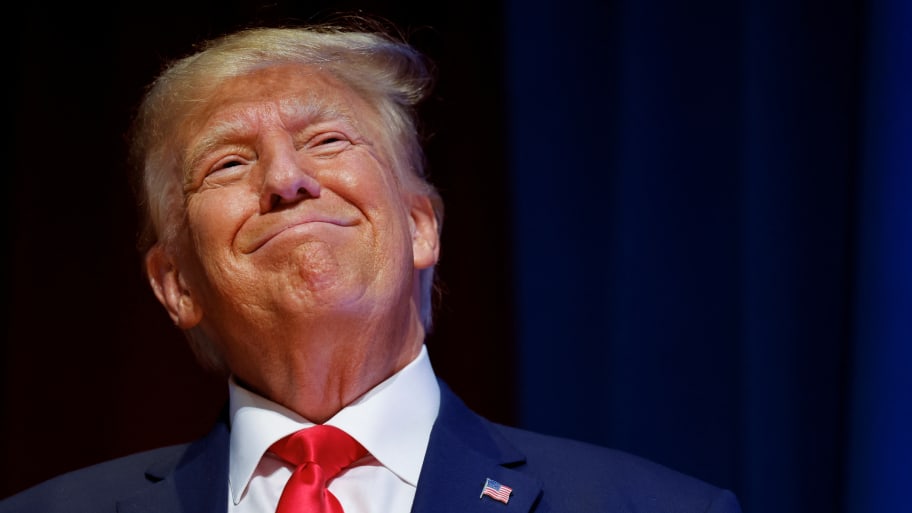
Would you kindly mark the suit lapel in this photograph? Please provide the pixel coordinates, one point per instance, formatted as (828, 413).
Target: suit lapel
(462, 452)
(198, 483)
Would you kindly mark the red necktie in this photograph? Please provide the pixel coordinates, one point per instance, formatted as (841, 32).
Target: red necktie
(318, 454)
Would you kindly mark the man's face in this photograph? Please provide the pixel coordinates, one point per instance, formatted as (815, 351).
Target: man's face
(295, 219)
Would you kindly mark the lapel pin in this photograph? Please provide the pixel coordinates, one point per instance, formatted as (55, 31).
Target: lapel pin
(496, 491)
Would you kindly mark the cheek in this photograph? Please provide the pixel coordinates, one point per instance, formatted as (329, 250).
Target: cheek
(214, 218)
(371, 188)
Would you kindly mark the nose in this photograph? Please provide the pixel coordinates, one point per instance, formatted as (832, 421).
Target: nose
(285, 180)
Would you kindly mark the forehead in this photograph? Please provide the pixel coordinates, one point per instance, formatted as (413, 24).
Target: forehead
(292, 94)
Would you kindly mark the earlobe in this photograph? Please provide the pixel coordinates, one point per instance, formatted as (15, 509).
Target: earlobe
(425, 233)
(170, 288)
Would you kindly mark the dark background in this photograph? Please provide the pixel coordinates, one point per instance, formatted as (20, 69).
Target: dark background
(681, 229)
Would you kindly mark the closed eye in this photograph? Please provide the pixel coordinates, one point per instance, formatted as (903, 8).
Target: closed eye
(328, 144)
(226, 164)
(230, 163)
(328, 138)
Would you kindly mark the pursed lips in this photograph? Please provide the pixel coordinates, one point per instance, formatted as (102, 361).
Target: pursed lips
(260, 239)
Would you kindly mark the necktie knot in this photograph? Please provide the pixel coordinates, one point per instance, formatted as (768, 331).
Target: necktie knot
(318, 454)
(327, 446)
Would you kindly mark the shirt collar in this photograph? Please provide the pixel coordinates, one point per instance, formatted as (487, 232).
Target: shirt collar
(392, 421)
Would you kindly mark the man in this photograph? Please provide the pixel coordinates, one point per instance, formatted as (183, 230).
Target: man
(292, 235)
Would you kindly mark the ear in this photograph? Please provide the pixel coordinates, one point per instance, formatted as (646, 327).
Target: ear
(170, 288)
(425, 234)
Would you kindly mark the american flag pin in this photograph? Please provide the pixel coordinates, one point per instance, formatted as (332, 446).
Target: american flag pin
(496, 491)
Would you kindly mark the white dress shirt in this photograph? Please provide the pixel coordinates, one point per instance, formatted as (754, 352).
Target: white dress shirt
(392, 421)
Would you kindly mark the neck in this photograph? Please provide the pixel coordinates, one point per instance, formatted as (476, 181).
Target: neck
(318, 374)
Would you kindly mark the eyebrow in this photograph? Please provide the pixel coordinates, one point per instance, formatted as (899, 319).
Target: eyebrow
(308, 111)
(214, 136)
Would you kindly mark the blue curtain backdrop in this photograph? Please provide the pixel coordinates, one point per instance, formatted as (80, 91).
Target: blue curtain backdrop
(713, 239)
(879, 468)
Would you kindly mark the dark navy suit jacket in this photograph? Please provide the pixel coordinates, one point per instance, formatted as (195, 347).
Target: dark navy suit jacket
(547, 475)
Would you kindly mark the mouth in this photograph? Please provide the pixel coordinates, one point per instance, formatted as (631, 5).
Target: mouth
(291, 229)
